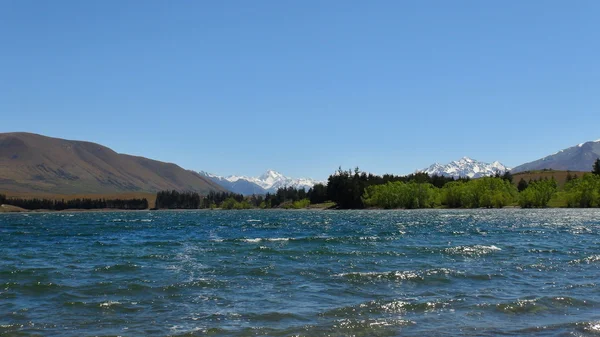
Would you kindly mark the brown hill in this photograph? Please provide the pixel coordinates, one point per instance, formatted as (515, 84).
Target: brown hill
(559, 176)
(31, 163)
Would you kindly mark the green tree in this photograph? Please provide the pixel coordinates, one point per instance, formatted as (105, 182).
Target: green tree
(583, 192)
(493, 192)
(399, 194)
(455, 194)
(538, 193)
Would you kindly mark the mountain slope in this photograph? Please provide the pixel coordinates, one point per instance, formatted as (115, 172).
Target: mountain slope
(576, 158)
(465, 167)
(269, 182)
(240, 186)
(35, 163)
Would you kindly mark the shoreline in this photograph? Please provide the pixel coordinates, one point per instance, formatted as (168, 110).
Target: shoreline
(109, 210)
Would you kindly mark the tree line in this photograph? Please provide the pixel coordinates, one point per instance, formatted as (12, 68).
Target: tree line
(285, 197)
(347, 187)
(80, 203)
(192, 200)
(353, 189)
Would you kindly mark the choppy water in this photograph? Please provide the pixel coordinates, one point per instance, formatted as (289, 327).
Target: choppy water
(301, 273)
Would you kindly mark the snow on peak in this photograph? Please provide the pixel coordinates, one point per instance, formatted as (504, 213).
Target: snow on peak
(466, 167)
(271, 180)
(592, 141)
(208, 174)
(271, 175)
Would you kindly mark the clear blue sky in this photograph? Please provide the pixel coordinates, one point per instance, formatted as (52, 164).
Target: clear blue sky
(236, 87)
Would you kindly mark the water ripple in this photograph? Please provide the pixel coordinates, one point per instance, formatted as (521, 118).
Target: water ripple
(312, 273)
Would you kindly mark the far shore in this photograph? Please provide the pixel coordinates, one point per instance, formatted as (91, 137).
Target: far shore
(8, 209)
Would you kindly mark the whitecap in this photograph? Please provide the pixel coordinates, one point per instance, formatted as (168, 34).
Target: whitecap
(109, 304)
(278, 239)
(252, 240)
(395, 306)
(401, 275)
(256, 240)
(588, 260)
(594, 327)
(472, 250)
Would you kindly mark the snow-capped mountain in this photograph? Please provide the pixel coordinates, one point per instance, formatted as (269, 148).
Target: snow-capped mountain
(240, 186)
(269, 182)
(575, 158)
(465, 167)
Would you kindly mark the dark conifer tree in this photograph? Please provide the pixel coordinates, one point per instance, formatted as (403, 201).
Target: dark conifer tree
(522, 185)
(596, 167)
(318, 194)
(508, 176)
(569, 176)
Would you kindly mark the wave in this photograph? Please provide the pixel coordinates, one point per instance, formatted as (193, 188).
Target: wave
(109, 304)
(440, 274)
(328, 239)
(272, 316)
(197, 332)
(586, 260)
(252, 240)
(37, 288)
(386, 307)
(593, 327)
(194, 284)
(117, 268)
(117, 306)
(476, 250)
(541, 305)
(39, 274)
(256, 240)
(11, 329)
(535, 329)
(399, 275)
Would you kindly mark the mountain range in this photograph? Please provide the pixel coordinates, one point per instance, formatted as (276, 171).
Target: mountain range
(31, 163)
(580, 157)
(269, 182)
(465, 167)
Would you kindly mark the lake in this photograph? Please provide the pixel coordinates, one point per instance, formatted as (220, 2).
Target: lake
(301, 273)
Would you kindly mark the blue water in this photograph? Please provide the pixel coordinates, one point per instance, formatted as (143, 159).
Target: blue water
(301, 273)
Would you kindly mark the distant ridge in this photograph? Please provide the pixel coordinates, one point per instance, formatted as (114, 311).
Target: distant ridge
(580, 157)
(465, 167)
(34, 163)
(268, 182)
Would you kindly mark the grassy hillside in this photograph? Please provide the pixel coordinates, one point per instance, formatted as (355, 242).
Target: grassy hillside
(559, 176)
(31, 163)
